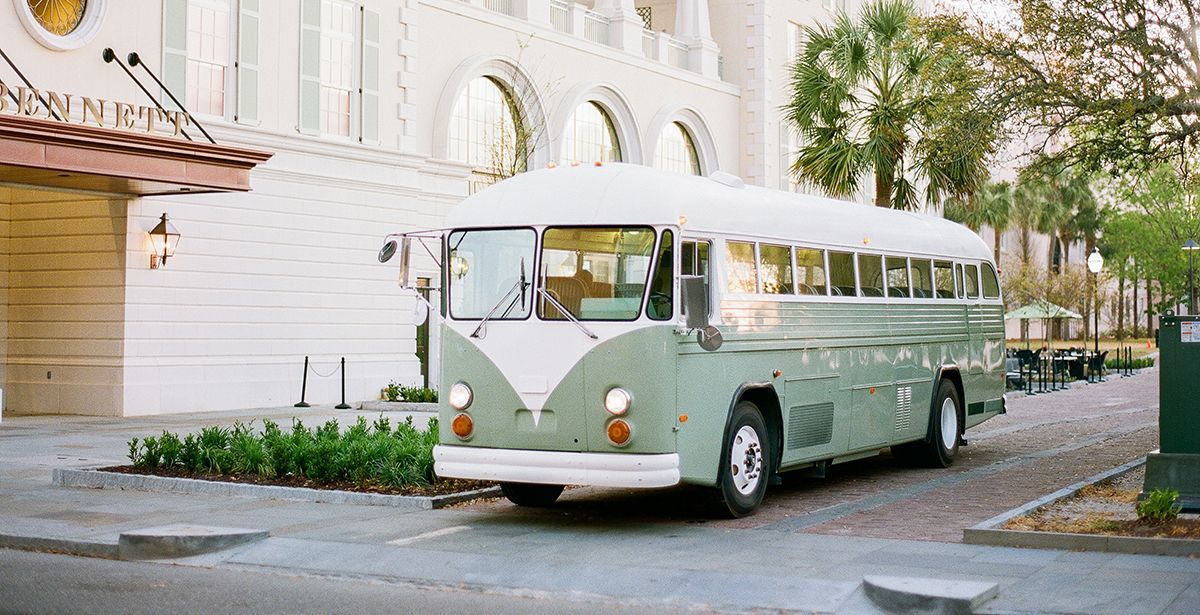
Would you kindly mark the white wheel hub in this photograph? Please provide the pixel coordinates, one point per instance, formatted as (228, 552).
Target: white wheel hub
(746, 460)
(949, 423)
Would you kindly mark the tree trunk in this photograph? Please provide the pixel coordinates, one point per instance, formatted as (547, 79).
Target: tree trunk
(883, 189)
(1121, 306)
(996, 244)
(1149, 308)
(1135, 316)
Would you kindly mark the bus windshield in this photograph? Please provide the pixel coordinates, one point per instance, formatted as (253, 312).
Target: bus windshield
(486, 271)
(595, 273)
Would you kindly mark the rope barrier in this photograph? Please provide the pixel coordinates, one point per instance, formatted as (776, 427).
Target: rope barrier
(308, 366)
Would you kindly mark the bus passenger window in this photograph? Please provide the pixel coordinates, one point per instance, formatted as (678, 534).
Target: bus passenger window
(962, 284)
(810, 272)
(922, 275)
(776, 267)
(739, 261)
(841, 274)
(660, 304)
(943, 273)
(972, 281)
(870, 275)
(991, 285)
(897, 276)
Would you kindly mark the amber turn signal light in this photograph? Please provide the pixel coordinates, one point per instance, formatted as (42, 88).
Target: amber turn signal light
(619, 432)
(462, 426)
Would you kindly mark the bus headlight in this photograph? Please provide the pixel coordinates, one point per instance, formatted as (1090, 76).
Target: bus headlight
(460, 396)
(617, 401)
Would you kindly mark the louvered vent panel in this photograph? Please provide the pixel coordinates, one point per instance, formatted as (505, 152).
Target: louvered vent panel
(810, 425)
(903, 408)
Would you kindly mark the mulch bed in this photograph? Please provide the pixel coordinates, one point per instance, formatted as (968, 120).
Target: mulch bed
(1106, 508)
(442, 486)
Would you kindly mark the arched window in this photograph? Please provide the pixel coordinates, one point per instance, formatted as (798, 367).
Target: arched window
(590, 135)
(486, 131)
(676, 150)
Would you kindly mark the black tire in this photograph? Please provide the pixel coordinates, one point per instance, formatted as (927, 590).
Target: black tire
(739, 497)
(933, 452)
(529, 494)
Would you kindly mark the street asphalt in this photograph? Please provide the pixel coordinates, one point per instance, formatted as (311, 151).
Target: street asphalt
(599, 550)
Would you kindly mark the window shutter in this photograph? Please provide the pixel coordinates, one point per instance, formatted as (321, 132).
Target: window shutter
(310, 66)
(247, 63)
(369, 98)
(174, 67)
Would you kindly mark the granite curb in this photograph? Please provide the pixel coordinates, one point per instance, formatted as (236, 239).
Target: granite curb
(398, 406)
(989, 532)
(183, 540)
(919, 595)
(69, 546)
(100, 479)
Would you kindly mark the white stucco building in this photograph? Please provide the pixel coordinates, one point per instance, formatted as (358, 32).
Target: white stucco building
(336, 121)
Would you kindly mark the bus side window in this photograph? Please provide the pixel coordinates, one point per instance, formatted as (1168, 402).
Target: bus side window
(922, 279)
(943, 274)
(660, 305)
(694, 261)
(870, 275)
(841, 274)
(810, 272)
(972, 281)
(991, 285)
(962, 284)
(741, 267)
(775, 264)
(897, 276)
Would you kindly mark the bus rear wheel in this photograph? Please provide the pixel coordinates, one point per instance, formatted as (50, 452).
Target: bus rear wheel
(745, 462)
(529, 494)
(944, 429)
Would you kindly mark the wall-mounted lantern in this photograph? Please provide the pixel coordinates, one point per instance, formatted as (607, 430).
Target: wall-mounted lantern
(165, 239)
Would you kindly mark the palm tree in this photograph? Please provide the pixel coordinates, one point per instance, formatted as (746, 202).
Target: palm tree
(871, 96)
(992, 207)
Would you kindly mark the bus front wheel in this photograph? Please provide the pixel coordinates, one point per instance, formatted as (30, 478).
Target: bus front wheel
(745, 461)
(944, 429)
(528, 494)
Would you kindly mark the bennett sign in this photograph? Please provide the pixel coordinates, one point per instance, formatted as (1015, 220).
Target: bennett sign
(46, 104)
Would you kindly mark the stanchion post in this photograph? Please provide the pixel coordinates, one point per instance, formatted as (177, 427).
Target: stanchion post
(343, 405)
(303, 385)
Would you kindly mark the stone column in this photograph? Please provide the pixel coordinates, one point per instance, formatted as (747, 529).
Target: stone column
(534, 11)
(692, 27)
(624, 25)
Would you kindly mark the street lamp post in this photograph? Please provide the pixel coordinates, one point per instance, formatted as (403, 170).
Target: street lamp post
(1095, 264)
(1190, 247)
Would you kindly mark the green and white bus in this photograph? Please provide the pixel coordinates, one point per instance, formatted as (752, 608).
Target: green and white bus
(619, 326)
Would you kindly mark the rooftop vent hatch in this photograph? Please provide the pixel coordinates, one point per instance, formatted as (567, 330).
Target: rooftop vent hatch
(727, 179)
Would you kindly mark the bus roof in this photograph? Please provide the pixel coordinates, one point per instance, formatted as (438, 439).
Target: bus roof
(628, 194)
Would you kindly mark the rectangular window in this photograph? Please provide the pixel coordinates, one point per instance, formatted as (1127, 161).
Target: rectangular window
(595, 273)
(972, 279)
(660, 305)
(897, 276)
(209, 46)
(810, 272)
(943, 273)
(776, 267)
(694, 261)
(740, 263)
(991, 285)
(485, 270)
(922, 278)
(841, 274)
(337, 65)
(870, 275)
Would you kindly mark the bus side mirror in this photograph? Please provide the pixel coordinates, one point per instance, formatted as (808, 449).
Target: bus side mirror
(695, 301)
(390, 249)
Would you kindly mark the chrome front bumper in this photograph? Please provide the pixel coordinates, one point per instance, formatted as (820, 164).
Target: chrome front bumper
(556, 467)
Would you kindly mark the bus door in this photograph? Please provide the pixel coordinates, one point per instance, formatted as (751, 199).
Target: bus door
(694, 260)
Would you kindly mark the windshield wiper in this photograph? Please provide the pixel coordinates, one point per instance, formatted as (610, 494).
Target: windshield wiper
(520, 284)
(566, 312)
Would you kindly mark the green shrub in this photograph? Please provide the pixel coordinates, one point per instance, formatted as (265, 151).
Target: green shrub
(1160, 505)
(392, 391)
(366, 452)
(419, 394)
(1139, 363)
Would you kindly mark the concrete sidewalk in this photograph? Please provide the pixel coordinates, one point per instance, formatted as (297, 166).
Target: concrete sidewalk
(501, 549)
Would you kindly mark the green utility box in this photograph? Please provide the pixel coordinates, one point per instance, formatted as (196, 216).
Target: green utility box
(1176, 465)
